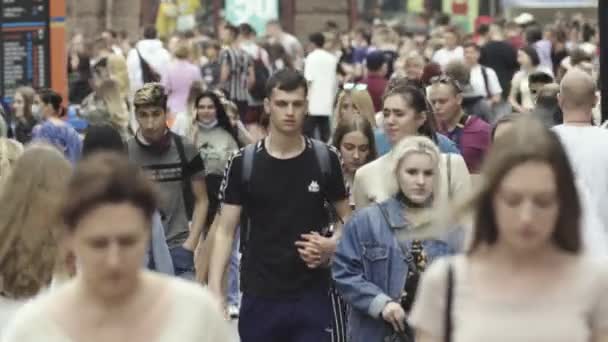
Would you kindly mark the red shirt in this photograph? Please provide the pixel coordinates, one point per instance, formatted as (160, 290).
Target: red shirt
(473, 141)
(376, 85)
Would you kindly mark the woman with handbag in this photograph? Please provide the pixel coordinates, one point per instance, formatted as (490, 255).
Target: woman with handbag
(378, 260)
(525, 276)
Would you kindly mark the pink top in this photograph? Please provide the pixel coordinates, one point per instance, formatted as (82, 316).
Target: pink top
(177, 81)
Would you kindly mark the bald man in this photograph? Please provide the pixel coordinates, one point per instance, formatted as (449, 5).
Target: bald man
(586, 145)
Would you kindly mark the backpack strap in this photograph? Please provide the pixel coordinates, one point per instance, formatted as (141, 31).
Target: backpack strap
(321, 151)
(179, 144)
(247, 171)
(484, 73)
(246, 174)
(450, 190)
(448, 328)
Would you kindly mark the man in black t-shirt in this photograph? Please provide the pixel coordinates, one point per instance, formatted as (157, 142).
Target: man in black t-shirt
(285, 274)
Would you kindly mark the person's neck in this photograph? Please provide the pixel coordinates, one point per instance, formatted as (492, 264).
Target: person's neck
(283, 146)
(109, 303)
(577, 118)
(517, 259)
(451, 124)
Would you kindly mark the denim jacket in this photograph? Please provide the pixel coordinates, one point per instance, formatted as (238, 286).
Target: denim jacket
(369, 268)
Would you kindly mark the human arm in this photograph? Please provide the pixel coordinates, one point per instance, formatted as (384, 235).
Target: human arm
(495, 88)
(160, 250)
(224, 67)
(199, 215)
(250, 75)
(226, 222)
(515, 91)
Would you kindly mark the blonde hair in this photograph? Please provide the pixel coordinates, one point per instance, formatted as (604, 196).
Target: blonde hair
(361, 100)
(10, 151)
(109, 93)
(30, 222)
(117, 68)
(417, 144)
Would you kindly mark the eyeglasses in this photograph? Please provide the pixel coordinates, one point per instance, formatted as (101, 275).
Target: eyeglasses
(445, 79)
(354, 86)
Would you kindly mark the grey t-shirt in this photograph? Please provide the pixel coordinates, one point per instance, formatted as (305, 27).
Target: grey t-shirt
(165, 168)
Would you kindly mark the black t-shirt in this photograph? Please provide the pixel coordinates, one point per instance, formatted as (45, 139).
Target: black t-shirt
(502, 57)
(284, 199)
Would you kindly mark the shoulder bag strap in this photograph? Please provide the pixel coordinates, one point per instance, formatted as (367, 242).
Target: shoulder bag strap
(322, 154)
(484, 73)
(450, 190)
(448, 307)
(246, 173)
(179, 145)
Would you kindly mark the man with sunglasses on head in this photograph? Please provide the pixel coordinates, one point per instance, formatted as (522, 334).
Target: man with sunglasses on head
(320, 71)
(470, 133)
(376, 81)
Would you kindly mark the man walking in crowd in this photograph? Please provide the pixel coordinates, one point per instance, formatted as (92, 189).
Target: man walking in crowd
(147, 62)
(585, 144)
(376, 81)
(320, 72)
(261, 66)
(290, 43)
(452, 51)
(178, 169)
(470, 133)
(285, 279)
(501, 57)
(483, 79)
(236, 73)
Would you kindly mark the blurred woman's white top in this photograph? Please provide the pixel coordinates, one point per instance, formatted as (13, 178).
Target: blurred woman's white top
(194, 317)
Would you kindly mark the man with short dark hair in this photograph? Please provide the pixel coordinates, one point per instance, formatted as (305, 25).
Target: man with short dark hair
(290, 43)
(470, 133)
(537, 80)
(283, 184)
(376, 81)
(178, 168)
(483, 79)
(320, 71)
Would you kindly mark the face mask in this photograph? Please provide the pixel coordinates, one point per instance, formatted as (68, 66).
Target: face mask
(36, 111)
(209, 125)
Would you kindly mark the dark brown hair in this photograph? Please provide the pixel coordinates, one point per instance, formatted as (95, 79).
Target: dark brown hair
(107, 177)
(356, 124)
(528, 140)
(414, 97)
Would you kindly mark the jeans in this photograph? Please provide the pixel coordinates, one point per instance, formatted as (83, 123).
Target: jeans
(183, 262)
(233, 295)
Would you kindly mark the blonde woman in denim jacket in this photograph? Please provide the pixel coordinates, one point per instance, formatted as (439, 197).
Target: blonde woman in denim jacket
(378, 259)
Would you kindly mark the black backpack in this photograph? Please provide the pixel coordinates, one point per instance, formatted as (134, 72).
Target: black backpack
(262, 74)
(321, 151)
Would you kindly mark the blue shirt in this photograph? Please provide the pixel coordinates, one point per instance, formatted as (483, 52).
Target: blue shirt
(383, 145)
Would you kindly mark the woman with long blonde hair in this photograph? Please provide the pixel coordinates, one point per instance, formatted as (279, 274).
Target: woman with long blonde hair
(10, 151)
(353, 101)
(30, 226)
(107, 106)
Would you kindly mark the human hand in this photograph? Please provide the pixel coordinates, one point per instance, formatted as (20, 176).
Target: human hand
(394, 314)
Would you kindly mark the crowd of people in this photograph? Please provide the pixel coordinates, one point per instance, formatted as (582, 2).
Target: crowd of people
(368, 185)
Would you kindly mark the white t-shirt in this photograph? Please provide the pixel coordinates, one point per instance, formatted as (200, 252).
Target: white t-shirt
(444, 56)
(478, 82)
(192, 317)
(586, 148)
(8, 309)
(320, 71)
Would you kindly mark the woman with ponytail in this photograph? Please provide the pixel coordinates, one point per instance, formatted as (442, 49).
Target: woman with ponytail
(54, 129)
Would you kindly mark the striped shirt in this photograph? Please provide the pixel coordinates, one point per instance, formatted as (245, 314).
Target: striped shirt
(238, 62)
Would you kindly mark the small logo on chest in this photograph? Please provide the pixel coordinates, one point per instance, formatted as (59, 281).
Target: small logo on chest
(314, 187)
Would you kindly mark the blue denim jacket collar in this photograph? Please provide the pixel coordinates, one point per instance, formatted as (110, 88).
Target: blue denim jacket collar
(393, 209)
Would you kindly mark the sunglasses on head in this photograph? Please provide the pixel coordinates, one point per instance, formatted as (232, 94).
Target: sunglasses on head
(354, 86)
(445, 79)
